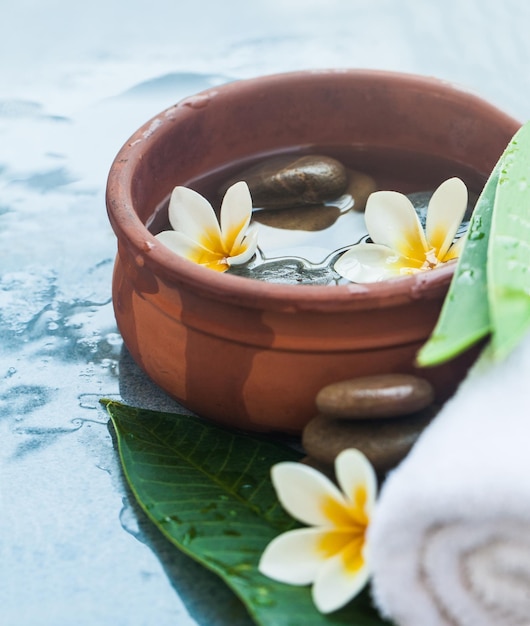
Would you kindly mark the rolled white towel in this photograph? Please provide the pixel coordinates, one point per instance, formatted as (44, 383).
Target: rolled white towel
(450, 540)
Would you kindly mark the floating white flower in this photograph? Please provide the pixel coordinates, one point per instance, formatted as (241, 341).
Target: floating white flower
(400, 245)
(199, 237)
(332, 554)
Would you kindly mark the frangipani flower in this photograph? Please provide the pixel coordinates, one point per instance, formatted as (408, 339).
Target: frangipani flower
(199, 237)
(400, 245)
(331, 555)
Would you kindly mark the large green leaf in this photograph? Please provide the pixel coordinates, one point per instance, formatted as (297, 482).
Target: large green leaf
(465, 317)
(490, 290)
(509, 248)
(208, 490)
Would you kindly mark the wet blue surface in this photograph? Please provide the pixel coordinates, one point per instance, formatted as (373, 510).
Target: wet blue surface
(76, 80)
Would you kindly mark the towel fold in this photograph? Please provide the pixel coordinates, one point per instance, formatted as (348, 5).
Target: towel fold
(450, 539)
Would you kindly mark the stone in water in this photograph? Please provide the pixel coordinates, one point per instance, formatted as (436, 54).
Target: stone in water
(361, 185)
(312, 218)
(293, 180)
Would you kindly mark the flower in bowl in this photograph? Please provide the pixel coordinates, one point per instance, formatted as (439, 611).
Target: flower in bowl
(400, 244)
(199, 237)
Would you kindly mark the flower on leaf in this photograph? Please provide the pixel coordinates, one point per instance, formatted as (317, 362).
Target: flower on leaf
(400, 245)
(198, 236)
(331, 554)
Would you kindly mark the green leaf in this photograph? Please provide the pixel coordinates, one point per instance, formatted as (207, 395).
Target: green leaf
(208, 490)
(509, 248)
(490, 290)
(465, 319)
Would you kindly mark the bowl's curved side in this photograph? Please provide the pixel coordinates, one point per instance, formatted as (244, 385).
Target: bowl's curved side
(261, 370)
(252, 354)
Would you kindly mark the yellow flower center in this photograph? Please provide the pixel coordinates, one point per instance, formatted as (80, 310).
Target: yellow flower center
(347, 533)
(214, 253)
(213, 259)
(422, 260)
(437, 238)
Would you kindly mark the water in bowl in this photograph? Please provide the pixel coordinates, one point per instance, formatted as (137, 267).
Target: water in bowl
(299, 245)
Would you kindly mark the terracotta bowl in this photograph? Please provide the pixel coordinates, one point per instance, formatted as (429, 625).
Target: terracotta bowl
(250, 354)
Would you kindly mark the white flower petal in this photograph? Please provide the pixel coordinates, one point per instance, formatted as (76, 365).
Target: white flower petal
(366, 263)
(236, 210)
(179, 244)
(353, 470)
(392, 221)
(335, 585)
(445, 213)
(250, 244)
(304, 492)
(293, 557)
(192, 215)
(185, 247)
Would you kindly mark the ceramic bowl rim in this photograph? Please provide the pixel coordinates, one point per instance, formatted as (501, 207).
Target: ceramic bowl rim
(250, 292)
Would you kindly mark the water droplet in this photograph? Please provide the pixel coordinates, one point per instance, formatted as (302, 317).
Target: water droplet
(168, 519)
(262, 597)
(197, 102)
(113, 339)
(209, 507)
(244, 567)
(467, 277)
(476, 232)
(241, 568)
(129, 521)
(189, 535)
(245, 489)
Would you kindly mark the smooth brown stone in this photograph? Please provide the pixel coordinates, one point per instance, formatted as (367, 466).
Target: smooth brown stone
(375, 397)
(361, 185)
(384, 442)
(293, 180)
